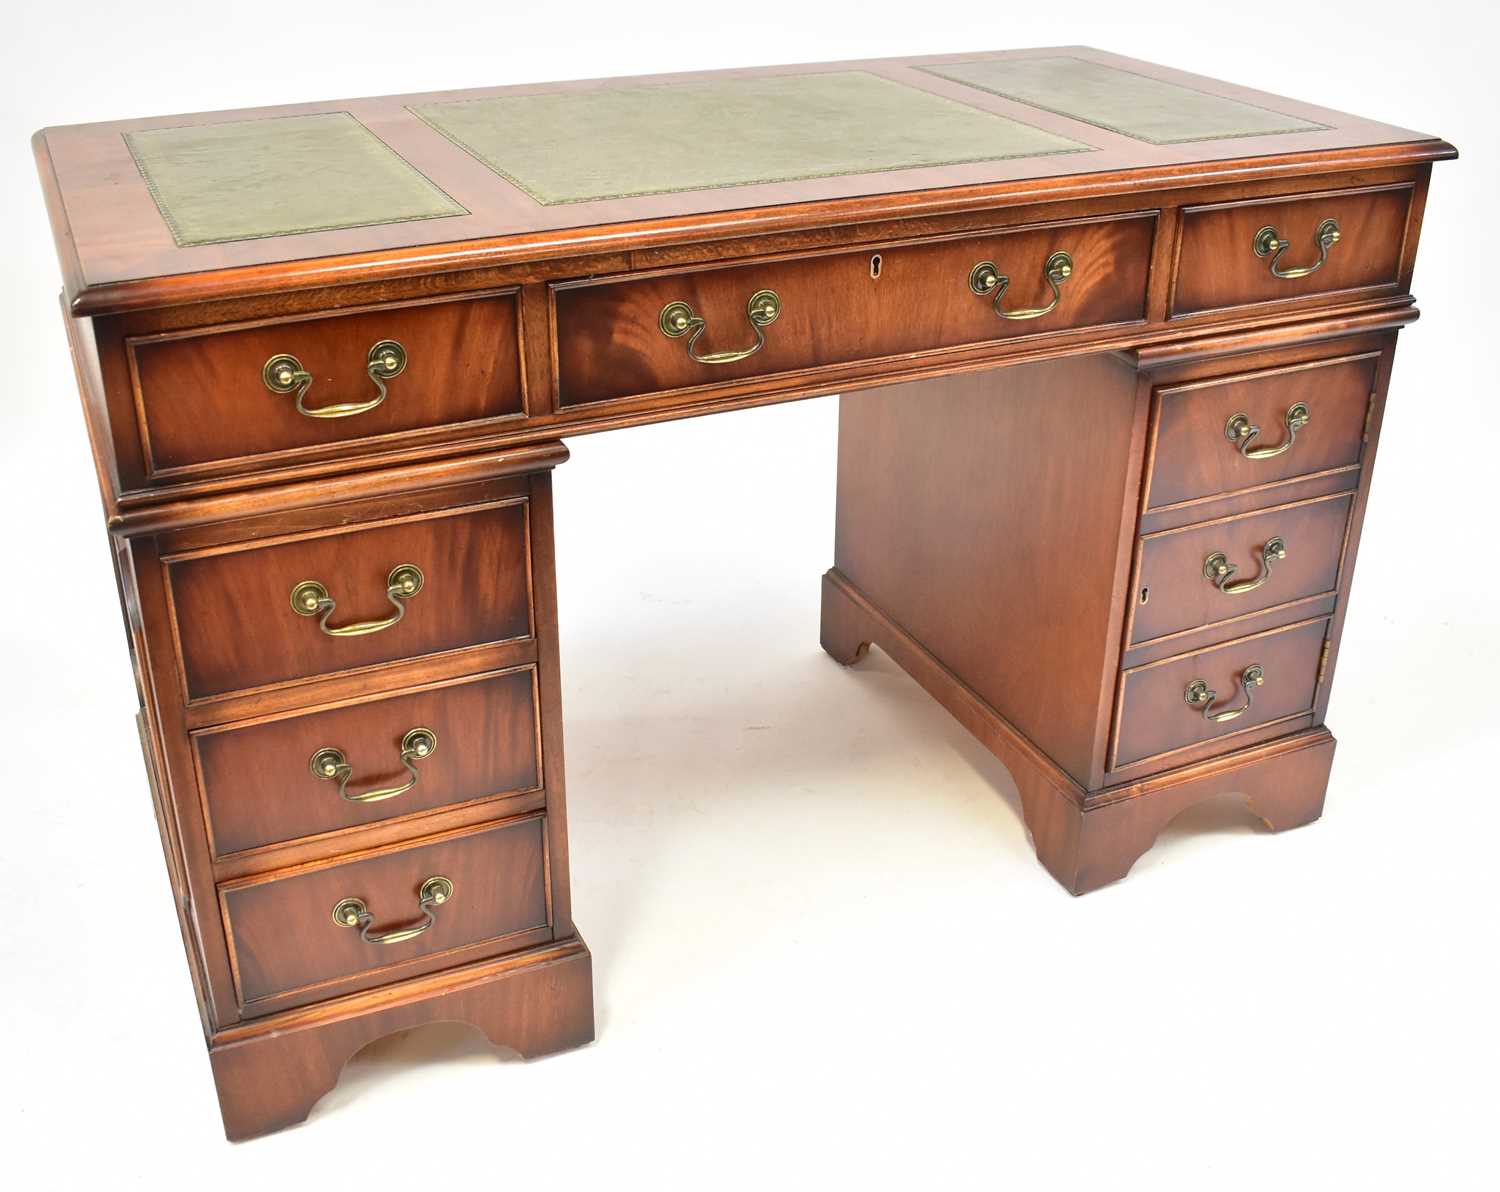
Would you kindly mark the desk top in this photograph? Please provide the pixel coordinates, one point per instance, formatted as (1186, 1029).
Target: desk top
(176, 209)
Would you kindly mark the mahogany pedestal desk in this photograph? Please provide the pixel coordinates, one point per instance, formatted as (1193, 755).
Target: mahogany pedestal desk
(1125, 331)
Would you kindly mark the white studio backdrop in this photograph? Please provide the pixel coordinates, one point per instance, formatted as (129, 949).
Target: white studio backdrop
(824, 954)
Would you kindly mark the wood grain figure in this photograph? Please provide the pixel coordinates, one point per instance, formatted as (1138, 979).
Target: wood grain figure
(1113, 378)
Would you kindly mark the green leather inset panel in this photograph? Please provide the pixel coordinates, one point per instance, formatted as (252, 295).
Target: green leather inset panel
(279, 176)
(618, 142)
(1121, 100)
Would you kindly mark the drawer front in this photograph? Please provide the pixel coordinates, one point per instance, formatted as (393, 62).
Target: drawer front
(280, 781)
(1241, 432)
(1156, 718)
(1222, 262)
(846, 307)
(283, 935)
(238, 630)
(202, 399)
(1250, 573)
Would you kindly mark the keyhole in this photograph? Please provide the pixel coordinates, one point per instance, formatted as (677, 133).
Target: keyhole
(875, 264)
(1145, 595)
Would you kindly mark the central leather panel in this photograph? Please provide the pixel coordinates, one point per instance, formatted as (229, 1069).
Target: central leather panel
(611, 142)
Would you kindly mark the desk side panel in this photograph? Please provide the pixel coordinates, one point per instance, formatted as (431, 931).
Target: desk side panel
(987, 515)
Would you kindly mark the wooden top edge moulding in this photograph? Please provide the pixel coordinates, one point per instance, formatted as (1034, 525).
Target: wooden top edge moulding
(173, 209)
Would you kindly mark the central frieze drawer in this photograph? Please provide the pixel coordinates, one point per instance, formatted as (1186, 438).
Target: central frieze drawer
(320, 604)
(688, 329)
(364, 917)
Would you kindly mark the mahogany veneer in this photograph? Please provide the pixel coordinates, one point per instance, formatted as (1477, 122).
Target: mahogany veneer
(231, 604)
(203, 405)
(1030, 495)
(1190, 415)
(1214, 270)
(259, 788)
(912, 298)
(277, 925)
(1168, 601)
(1155, 719)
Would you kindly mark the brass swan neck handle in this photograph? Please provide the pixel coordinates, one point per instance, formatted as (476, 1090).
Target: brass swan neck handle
(311, 599)
(1200, 695)
(330, 765)
(1220, 571)
(1240, 431)
(1269, 243)
(352, 912)
(283, 373)
(986, 279)
(678, 319)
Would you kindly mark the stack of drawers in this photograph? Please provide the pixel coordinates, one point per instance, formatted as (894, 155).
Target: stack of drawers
(319, 732)
(350, 699)
(1252, 481)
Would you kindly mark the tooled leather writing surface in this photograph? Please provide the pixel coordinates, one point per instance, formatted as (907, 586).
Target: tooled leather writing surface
(1122, 101)
(766, 149)
(615, 142)
(246, 179)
